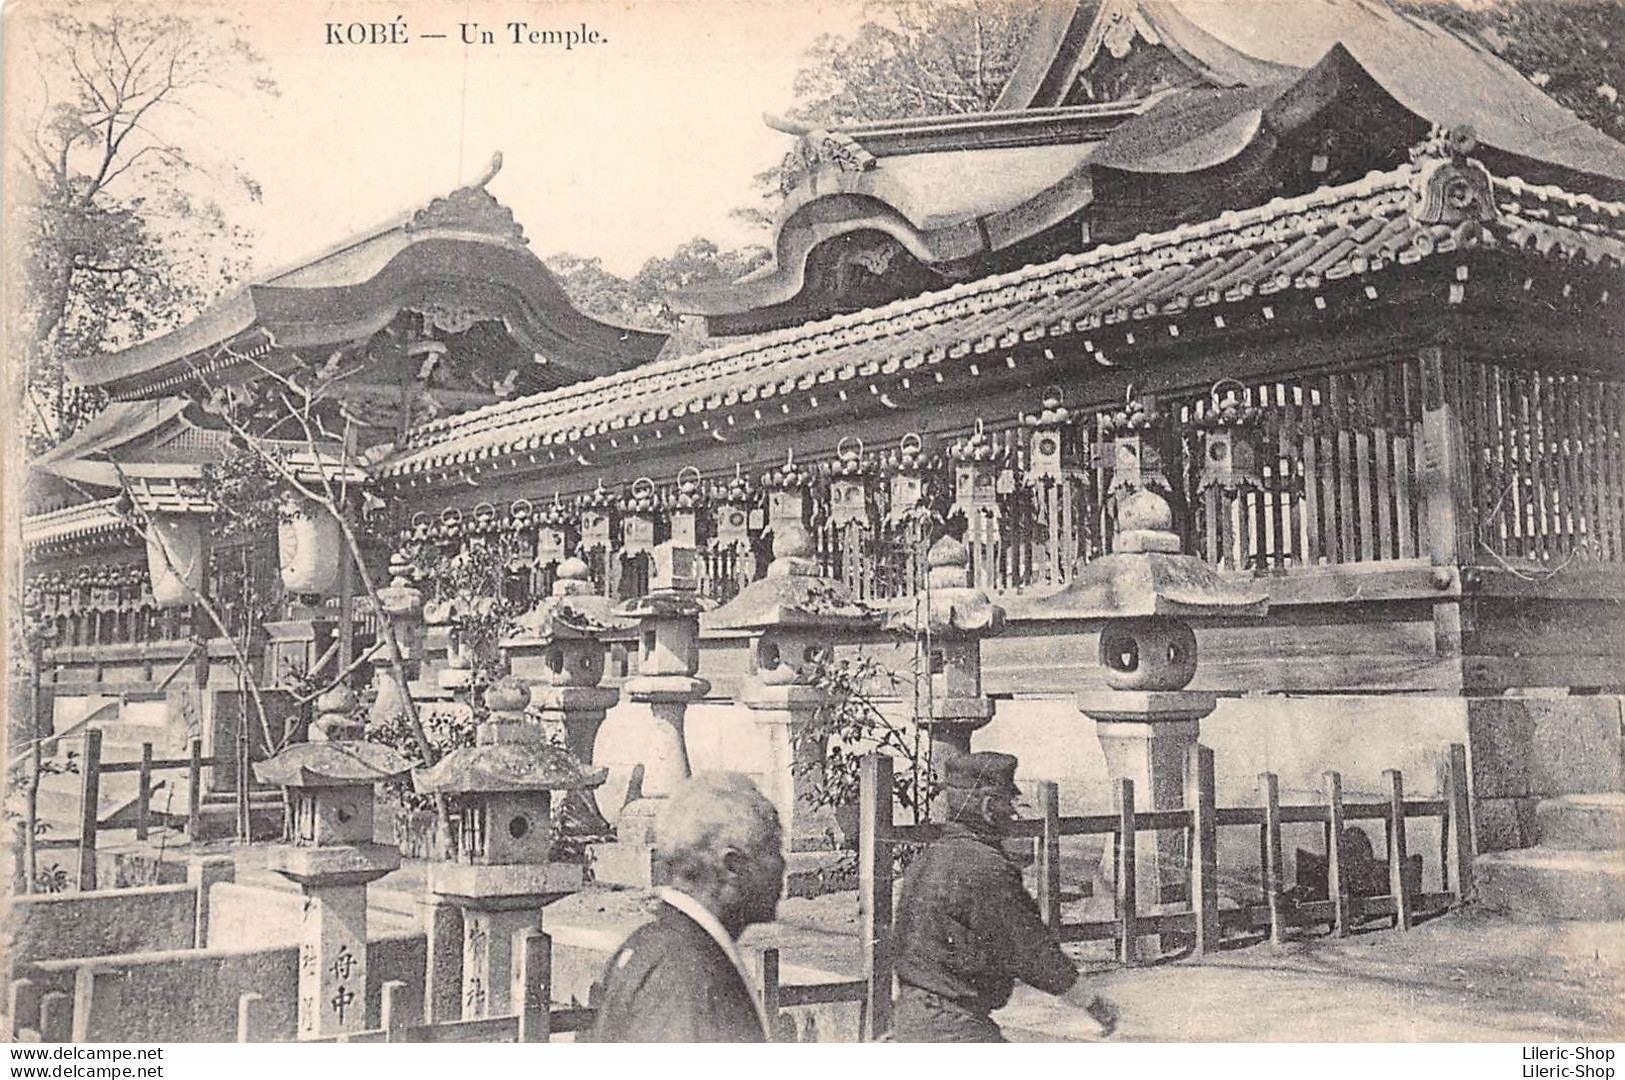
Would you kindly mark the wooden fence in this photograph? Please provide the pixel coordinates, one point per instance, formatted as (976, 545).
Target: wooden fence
(91, 771)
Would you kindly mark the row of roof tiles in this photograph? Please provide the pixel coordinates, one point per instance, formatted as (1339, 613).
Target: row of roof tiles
(1329, 234)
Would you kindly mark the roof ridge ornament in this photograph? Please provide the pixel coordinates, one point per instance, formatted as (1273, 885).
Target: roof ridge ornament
(1451, 188)
(471, 208)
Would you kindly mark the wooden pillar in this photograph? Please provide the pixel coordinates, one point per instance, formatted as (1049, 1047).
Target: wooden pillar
(1269, 791)
(875, 890)
(90, 797)
(1398, 884)
(1336, 886)
(1459, 843)
(1128, 932)
(1446, 480)
(1201, 796)
(1049, 855)
(194, 789)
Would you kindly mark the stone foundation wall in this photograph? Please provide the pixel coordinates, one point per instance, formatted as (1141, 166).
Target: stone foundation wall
(149, 919)
(1525, 749)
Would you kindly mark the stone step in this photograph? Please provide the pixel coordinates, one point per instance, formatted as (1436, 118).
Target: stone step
(1582, 822)
(1553, 883)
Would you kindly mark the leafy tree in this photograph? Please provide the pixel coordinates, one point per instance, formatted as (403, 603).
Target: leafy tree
(1575, 51)
(641, 300)
(916, 58)
(124, 215)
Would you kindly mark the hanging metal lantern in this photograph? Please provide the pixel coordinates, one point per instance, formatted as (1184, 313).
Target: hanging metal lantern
(1133, 439)
(638, 522)
(848, 485)
(977, 463)
(685, 506)
(177, 558)
(1054, 450)
(553, 533)
(1231, 431)
(732, 513)
(310, 545)
(787, 488)
(598, 520)
(907, 484)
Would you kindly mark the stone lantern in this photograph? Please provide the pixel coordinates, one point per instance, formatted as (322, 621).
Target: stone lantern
(332, 857)
(557, 649)
(402, 605)
(792, 615)
(956, 615)
(1143, 597)
(668, 622)
(502, 875)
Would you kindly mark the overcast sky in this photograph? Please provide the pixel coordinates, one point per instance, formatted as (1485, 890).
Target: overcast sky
(621, 150)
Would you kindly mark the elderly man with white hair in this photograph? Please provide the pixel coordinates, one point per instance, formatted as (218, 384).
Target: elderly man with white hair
(680, 978)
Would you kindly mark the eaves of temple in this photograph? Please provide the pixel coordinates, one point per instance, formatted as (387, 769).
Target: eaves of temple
(1135, 116)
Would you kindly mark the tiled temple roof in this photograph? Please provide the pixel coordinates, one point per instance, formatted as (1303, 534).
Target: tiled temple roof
(73, 522)
(1335, 232)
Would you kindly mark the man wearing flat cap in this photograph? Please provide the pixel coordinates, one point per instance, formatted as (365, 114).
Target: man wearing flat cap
(966, 928)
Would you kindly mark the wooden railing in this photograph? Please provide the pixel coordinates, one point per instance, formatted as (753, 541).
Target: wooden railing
(91, 771)
(1204, 920)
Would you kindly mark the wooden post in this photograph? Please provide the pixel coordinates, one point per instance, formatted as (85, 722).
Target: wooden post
(194, 790)
(90, 796)
(875, 890)
(56, 1017)
(23, 1006)
(533, 989)
(30, 851)
(1049, 855)
(1445, 478)
(20, 883)
(1269, 791)
(143, 797)
(245, 775)
(393, 1011)
(1202, 798)
(1336, 887)
(770, 992)
(1460, 841)
(1397, 884)
(1128, 930)
(251, 1018)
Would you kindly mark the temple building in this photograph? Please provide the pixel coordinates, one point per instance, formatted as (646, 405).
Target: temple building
(1349, 280)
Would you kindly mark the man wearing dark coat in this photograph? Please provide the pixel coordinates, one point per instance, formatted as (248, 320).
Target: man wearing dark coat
(681, 978)
(966, 928)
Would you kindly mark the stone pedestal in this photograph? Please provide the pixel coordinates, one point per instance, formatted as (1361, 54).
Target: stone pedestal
(791, 761)
(1145, 736)
(580, 710)
(660, 705)
(497, 903)
(333, 932)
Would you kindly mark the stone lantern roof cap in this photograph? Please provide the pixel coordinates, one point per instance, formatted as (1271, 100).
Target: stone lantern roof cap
(332, 764)
(1138, 584)
(950, 612)
(566, 618)
(667, 603)
(507, 767)
(793, 600)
